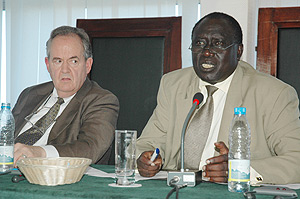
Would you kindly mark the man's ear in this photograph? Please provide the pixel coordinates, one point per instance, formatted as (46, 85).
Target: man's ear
(240, 51)
(88, 65)
(47, 63)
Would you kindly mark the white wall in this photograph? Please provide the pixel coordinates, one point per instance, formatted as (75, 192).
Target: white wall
(189, 18)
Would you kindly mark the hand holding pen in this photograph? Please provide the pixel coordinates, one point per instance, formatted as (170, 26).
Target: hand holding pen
(154, 156)
(149, 163)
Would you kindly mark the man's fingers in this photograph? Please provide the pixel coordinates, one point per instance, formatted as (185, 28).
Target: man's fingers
(17, 155)
(146, 167)
(222, 148)
(148, 170)
(222, 173)
(147, 154)
(22, 150)
(144, 161)
(218, 179)
(216, 167)
(217, 159)
(150, 167)
(144, 158)
(216, 176)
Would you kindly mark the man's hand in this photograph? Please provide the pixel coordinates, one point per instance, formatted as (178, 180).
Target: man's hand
(25, 151)
(146, 167)
(216, 169)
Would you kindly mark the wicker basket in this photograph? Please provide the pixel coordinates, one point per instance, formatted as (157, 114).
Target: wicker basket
(53, 171)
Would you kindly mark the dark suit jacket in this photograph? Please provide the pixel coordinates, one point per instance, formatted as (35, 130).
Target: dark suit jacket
(272, 112)
(86, 126)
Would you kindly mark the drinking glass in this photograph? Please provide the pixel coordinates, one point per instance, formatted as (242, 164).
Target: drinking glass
(125, 142)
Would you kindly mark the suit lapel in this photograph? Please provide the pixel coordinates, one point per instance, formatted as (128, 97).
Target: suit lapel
(183, 106)
(233, 99)
(185, 102)
(31, 104)
(67, 116)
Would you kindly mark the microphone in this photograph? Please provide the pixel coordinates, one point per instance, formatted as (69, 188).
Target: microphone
(197, 99)
(185, 178)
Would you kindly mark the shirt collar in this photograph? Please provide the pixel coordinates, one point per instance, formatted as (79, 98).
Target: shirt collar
(66, 100)
(223, 86)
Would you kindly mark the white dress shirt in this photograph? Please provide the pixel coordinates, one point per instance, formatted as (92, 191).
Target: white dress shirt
(219, 102)
(41, 111)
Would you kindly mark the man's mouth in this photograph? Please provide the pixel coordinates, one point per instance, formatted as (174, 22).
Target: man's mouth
(207, 66)
(65, 79)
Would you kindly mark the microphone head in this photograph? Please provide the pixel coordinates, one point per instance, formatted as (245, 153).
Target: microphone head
(198, 98)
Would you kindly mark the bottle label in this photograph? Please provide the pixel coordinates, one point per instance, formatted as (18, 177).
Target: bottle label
(239, 170)
(6, 155)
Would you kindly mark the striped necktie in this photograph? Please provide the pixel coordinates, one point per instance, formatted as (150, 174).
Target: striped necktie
(33, 134)
(197, 132)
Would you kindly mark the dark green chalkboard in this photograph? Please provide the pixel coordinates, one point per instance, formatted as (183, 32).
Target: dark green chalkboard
(131, 68)
(288, 65)
(130, 57)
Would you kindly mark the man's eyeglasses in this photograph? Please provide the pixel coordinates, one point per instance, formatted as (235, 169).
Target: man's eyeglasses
(215, 47)
(28, 117)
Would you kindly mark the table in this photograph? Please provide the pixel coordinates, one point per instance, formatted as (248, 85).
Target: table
(94, 187)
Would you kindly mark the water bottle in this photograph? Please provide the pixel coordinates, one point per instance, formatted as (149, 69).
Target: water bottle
(239, 152)
(7, 129)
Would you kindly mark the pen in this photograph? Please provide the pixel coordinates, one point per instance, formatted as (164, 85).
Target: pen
(15, 171)
(155, 154)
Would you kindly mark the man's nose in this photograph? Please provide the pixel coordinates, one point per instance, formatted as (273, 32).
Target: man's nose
(65, 67)
(207, 52)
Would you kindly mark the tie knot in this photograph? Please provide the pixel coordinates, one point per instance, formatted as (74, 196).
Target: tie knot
(211, 90)
(60, 100)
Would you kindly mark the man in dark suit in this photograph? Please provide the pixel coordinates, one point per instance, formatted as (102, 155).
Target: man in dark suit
(83, 124)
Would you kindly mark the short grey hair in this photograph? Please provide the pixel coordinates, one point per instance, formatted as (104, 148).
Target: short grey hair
(68, 30)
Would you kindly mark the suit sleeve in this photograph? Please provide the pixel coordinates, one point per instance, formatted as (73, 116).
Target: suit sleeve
(154, 133)
(92, 132)
(18, 108)
(282, 131)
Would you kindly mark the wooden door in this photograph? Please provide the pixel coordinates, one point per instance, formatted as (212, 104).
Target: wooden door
(278, 44)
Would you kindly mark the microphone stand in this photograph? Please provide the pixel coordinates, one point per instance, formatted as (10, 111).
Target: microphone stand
(184, 178)
(187, 119)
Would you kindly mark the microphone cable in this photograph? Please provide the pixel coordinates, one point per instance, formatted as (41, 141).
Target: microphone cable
(175, 189)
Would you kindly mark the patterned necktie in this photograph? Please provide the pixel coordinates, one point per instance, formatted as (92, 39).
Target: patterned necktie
(197, 132)
(33, 134)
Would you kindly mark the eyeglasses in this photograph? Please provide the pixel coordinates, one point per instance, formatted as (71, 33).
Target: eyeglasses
(28, 117)
(215, 47)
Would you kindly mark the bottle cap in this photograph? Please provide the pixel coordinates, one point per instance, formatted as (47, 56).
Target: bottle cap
(7, 105)
(239, 110)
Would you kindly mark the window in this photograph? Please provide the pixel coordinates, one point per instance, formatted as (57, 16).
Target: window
(3, 53)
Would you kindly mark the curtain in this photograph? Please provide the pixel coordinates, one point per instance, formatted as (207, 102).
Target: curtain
(29, 23)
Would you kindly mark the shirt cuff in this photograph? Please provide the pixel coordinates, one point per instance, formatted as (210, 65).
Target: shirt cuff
(51, 151)
(255, 177)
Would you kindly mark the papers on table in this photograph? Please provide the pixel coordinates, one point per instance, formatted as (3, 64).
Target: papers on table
(290, 186)
(161, 175)
(98, 173)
